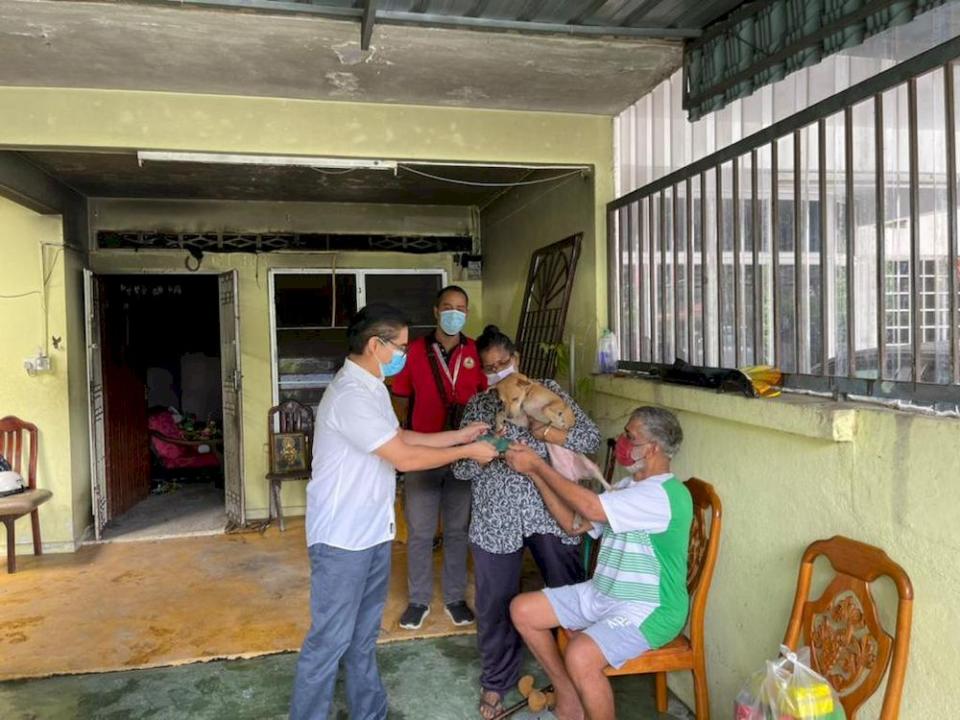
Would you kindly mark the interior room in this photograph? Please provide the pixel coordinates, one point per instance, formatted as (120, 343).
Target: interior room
(163, 407)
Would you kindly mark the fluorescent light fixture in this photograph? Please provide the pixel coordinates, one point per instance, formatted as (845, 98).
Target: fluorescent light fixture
(270, 160)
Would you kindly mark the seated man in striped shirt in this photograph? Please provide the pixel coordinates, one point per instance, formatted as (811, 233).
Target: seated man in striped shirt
(637, 599)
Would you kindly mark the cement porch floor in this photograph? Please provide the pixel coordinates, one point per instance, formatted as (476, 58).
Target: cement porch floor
(432, 679)
(119, 606)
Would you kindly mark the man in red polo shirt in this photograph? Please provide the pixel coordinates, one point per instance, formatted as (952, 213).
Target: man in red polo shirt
(441, 375)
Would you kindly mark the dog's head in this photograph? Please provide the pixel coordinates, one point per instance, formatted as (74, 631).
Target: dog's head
(513, 391)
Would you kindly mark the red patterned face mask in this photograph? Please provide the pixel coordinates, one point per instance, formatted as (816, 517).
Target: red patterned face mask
(623, 451)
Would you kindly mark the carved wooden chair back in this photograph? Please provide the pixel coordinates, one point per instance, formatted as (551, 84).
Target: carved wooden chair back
(291, 416)
(610, 464)
(702, 553)
(848, 645)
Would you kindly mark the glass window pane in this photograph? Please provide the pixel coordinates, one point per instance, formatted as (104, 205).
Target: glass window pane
(836, 247)
(747, 354)
(896, 229)
(934, 242)
(638, 281)
(669, 250)
(865, 295)
(727, 310)
(657, 300)
(810, 241)
(643, 237)
(414, 294)
(695, 275)
(710, 273)
(765, 352)
(680, 267)
(786, 286)
(303, 300)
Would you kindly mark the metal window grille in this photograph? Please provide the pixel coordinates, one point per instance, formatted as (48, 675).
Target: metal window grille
(825, 244)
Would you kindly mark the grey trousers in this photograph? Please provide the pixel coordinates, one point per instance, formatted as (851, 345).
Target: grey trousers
(348, 590)
(429, 493)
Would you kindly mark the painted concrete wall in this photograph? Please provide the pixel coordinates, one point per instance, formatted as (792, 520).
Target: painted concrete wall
(526, 219)
(101, 119)
(792, 470)
(31, 250)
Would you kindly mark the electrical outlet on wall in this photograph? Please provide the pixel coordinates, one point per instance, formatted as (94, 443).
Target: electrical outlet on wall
(40, 363)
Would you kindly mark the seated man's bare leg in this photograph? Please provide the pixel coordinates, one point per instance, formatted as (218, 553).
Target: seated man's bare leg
(585, 663)
(534, 618)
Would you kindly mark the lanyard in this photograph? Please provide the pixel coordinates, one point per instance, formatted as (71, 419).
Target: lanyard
(446, 371)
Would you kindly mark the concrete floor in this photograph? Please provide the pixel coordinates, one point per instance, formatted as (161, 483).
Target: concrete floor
(120, 606)
(189, 509)
(426, 680)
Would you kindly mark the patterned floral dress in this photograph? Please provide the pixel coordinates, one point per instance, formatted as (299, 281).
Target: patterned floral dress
(506, 505)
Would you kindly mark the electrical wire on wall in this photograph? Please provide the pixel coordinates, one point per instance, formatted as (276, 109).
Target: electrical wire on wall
(480, 183)
(46, 273)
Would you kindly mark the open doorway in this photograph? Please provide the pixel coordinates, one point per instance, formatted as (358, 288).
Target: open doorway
(160, 423)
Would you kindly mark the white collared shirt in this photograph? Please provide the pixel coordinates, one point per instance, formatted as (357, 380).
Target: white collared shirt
(351, 492)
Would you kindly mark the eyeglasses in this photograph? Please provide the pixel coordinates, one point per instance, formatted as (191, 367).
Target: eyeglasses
(387, 341)
(496, 367)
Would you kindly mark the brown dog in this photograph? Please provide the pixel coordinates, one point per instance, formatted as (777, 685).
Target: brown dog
(523, 398)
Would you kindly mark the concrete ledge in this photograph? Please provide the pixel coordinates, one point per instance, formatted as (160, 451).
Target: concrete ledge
(793, 414)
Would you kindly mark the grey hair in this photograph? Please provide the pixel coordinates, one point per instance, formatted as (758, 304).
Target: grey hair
(661, 426)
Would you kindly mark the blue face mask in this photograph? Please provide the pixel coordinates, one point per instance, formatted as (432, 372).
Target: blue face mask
(396, 363)
(452, 321)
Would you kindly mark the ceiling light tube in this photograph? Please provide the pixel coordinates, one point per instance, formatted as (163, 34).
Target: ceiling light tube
(269, 160)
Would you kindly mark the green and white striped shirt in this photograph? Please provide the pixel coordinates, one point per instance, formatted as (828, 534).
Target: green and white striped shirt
(643, 554)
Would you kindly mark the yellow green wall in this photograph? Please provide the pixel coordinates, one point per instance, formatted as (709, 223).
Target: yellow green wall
(525, 219)
(792, 470)
(43, 398)
(101, 119)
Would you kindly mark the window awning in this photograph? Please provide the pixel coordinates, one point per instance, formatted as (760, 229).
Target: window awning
(765, 41)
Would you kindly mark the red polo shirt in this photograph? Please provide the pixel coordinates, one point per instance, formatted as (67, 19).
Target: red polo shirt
(417, 382)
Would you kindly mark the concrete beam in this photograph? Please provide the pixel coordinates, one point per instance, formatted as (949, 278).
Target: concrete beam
(24, 183)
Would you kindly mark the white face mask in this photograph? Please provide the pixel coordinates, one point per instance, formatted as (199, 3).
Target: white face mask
(494, 378)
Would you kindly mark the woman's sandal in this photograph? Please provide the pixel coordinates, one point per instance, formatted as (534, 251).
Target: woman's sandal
(491, 704)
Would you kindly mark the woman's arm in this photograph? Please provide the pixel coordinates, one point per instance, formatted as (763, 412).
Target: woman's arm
(476, 411)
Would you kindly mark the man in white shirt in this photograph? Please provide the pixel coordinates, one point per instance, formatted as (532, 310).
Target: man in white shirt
(358, 447)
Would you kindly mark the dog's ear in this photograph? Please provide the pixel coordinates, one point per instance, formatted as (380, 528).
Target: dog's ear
(523, 382)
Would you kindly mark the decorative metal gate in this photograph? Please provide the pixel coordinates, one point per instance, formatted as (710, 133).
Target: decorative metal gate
(545, 302)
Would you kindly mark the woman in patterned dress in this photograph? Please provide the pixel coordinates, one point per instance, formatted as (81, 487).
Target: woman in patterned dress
(508, 515)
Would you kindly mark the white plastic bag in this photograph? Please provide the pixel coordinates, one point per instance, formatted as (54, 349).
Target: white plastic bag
(788, 689)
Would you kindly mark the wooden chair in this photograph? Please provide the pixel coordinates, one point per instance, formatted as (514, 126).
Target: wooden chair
(15, 506)
(289, 416)
(687, 651)
(847, 644)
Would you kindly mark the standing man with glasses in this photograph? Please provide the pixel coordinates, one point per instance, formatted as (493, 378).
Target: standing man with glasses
(442, 374)
(358, 447)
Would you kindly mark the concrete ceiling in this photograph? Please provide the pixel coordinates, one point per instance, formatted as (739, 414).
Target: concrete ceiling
(185, 49)
(118, 175)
